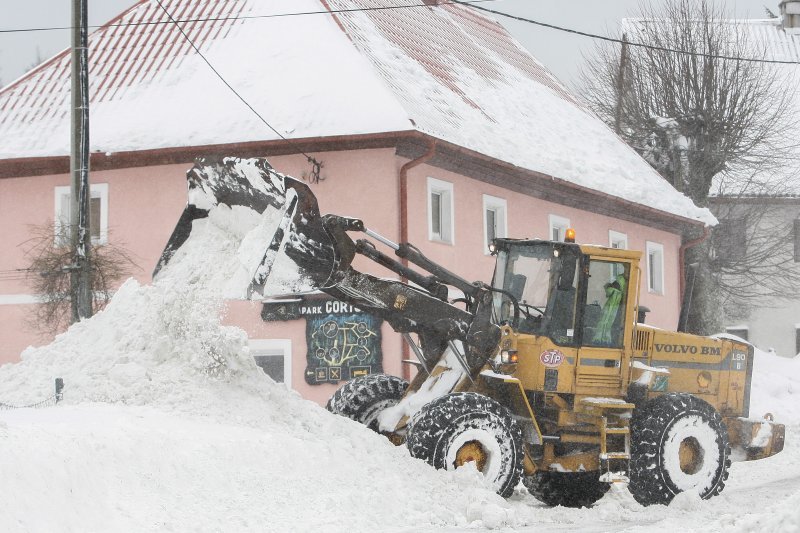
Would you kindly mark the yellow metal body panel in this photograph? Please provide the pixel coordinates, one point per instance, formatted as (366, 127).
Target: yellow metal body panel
(716, 370)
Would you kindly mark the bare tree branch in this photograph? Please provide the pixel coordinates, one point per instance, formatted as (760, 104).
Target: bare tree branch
(49, 264)
(710, 127)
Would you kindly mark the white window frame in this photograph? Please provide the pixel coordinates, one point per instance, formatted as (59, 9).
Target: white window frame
(558, 223)
(616, 237)
(500, 208)
(658, 273)
(97, 190)
(284, 345)
(446, 234)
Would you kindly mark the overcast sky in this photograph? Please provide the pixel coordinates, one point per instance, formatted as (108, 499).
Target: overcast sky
(562, 53)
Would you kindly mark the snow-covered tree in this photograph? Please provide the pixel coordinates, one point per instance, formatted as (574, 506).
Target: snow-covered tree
(706, 121)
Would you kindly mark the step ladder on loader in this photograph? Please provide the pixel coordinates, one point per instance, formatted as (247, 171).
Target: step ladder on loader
(612, 419)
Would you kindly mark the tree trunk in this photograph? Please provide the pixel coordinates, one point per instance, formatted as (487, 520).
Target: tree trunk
(706, 313)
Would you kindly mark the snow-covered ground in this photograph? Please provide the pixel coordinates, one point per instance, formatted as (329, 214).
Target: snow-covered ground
(153, 437)
(167, 424)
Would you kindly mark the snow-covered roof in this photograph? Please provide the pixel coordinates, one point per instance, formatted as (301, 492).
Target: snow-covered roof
(444, 70)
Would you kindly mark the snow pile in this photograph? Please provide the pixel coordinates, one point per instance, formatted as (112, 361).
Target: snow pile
(193, 435)
(781, 518)
(776, 387)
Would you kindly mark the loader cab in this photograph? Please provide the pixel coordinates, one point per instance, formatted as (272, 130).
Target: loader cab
(558, 290)
(538, 282)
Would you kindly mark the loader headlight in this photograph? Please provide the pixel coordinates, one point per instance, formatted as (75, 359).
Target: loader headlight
(508, 357)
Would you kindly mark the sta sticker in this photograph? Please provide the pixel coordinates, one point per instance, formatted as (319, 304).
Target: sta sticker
(551, 358)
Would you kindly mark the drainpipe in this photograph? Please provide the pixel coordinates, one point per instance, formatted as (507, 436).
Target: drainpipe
(405, 353)
(682, 256)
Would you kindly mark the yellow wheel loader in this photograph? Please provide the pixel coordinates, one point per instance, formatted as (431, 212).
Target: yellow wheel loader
(545, 376)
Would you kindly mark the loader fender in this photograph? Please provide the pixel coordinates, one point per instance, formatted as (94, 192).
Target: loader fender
(509, 392)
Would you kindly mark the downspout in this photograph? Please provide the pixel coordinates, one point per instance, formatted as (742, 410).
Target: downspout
(405, 351)
(682, 256)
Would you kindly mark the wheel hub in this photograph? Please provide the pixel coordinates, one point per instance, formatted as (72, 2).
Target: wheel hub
(690, 455)
(471, 451)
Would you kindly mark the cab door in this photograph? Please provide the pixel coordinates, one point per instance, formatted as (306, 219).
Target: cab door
(604, 325)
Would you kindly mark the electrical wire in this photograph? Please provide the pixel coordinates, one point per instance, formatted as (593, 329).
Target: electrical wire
(469, 3)
(626, 42)
(245, 17)
(15, 274)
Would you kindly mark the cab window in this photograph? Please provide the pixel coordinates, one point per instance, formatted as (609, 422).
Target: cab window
(606, 298)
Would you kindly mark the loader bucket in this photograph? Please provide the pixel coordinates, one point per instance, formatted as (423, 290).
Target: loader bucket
(270, 224)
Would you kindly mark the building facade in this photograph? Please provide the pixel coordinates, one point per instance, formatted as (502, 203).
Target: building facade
(770, 227)
(766, 223)
(435, 128)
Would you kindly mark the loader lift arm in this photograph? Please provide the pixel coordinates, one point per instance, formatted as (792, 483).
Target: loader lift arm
(408, 309)
(291, 241)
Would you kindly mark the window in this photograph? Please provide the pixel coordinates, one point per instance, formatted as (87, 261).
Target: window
(797, 240)
(729, 239)
(440, 211)
(494, 220)
(655, 267)
(274, 356)
(98, 213)
(606, 297)
(558, 227)
(739, 331)
(617, 240)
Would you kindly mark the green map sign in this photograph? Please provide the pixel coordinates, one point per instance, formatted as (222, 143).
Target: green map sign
(342, 342)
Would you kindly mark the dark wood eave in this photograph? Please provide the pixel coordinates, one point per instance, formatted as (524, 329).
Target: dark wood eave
(765, 199)
(539, 185)
(408, 144)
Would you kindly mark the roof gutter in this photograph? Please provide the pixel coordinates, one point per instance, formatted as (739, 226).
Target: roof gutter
(424, 158)
(403, 178)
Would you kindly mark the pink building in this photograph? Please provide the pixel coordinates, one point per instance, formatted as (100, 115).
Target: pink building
(432, 123)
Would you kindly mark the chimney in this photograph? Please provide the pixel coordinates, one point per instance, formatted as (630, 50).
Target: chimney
(790, 14)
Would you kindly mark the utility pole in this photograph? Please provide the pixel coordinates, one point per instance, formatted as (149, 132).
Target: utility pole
(80, 235)
(623, 56)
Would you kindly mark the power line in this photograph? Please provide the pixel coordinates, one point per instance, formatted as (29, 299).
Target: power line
(16, 274)
(625, 42)
(470, 3)
(244, 17)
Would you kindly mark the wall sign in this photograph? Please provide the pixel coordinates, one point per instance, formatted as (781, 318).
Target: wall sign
(342, 342)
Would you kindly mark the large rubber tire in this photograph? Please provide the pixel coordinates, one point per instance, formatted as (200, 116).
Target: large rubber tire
(678, 443)
(568, 489)
(363, 398)
(465, 426)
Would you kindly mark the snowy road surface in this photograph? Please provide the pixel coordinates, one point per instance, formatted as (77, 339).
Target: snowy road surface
(97, 467)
